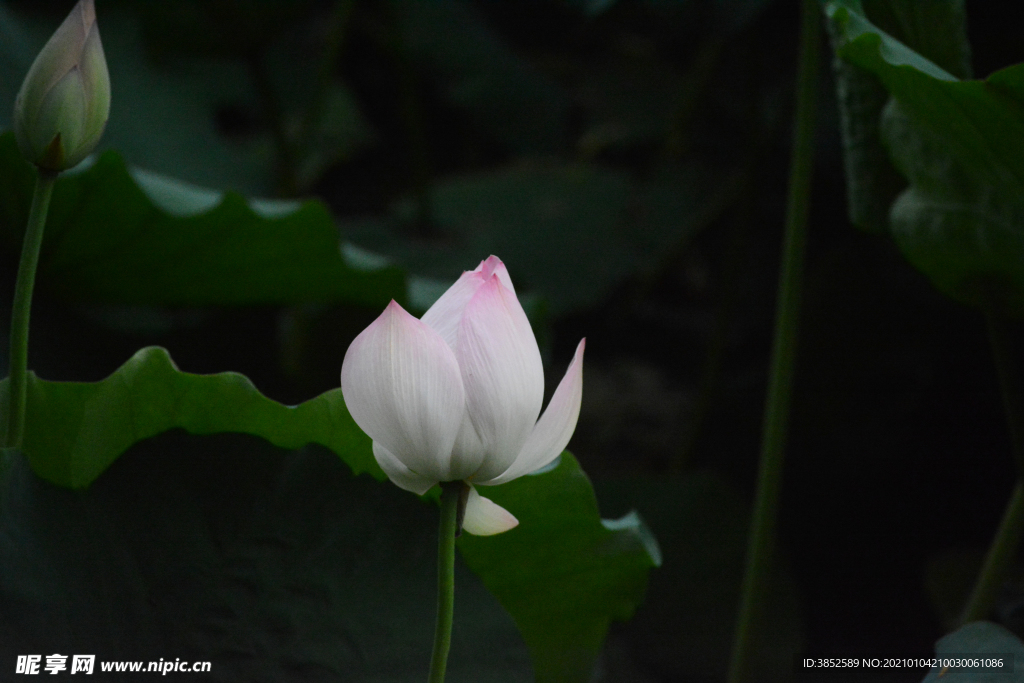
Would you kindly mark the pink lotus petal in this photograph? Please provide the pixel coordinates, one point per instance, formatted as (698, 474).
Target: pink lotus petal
(502, 373)
(402, 387)
(493, 265)
(446, 313)
(554, 429)
(484, 517)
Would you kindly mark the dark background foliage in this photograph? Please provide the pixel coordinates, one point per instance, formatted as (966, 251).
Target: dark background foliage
(628, 161)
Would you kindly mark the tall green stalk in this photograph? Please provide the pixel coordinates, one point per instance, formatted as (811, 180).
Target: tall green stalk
(761, 540)
(1011, 527)
(22, 308)
(451, 495)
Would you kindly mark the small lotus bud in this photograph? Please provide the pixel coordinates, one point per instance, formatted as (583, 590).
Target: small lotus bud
(63, 105)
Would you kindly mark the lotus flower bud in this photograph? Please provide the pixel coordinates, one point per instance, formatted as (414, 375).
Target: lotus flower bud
(456, 395)
(64, 102)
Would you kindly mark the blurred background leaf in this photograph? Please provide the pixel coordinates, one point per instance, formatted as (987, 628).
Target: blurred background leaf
(980, 638)
(477, 72)
(954, 223)
(270, 565)
(685, 627)
(959, 143)
(574, 232)
(938, 31)
(137, 238)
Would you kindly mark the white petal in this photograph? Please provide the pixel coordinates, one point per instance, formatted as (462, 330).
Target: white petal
(402, 387)
(398, 473)
(446, 313)
(484, 517)
(467, 453)
(502, 374)
(552, 433)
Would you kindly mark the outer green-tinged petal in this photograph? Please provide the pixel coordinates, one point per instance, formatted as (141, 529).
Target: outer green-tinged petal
(63, 104)
(398, 473)
(61, 111)
(484, 517)
(60, 54)
(502, 372)
(401, 384)
(555, 427)
(97, 81)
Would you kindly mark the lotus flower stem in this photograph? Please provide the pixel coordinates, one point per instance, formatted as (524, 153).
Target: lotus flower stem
(23, 305)
(761, 539)
(1011, 527)
(451, 495)
(1009, 381)
(997, 560)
